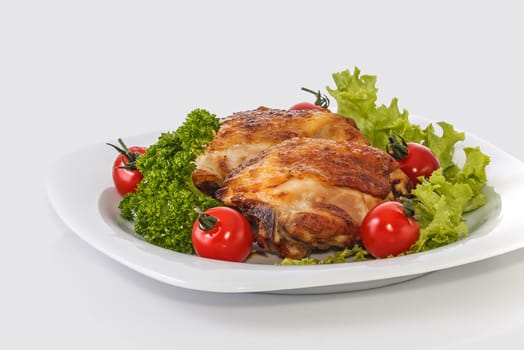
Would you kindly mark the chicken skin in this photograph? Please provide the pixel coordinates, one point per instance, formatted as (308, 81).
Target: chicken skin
(245, 134)
(308, 194)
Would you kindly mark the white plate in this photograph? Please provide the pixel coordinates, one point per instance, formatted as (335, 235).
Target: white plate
(87, 203)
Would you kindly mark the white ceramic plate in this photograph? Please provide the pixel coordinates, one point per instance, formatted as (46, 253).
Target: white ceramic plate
(87, 203)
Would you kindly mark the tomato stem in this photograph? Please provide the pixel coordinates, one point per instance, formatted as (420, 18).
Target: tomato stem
(206, 222)
(399, 150)
(130, 164)
(322, 100)
(408, 206)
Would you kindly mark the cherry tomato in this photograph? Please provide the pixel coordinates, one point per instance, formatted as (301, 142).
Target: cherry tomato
(305, 105)
(125, 173)
(222, 233)
(321, 103)
(388, 230)
(415, 160)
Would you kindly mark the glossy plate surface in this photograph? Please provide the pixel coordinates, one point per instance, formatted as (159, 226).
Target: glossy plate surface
(87, 203)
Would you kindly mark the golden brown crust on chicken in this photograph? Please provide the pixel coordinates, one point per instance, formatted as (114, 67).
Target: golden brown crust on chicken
(245, 134)
(306, 194)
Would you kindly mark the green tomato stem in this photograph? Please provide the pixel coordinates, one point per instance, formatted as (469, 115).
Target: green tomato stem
(206, 222)
(321, 100)
(131, 156)
(398, 149)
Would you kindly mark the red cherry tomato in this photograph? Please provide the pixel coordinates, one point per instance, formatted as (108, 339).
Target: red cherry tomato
(125, 173)
(387, 230)
(222, 233)
(305, 105)
(321, 103)
(414, 159)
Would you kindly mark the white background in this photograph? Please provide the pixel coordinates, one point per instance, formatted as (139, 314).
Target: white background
(76, 73)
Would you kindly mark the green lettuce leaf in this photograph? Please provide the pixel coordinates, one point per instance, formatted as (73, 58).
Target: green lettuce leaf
(444, 201)
(355, 94)
(443, 146)
(474, 175)
(356, 98)
(451, 191)
(439, 211)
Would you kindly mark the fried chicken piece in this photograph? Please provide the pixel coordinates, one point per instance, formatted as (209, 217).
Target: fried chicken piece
(245, 134)
(308, 194)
